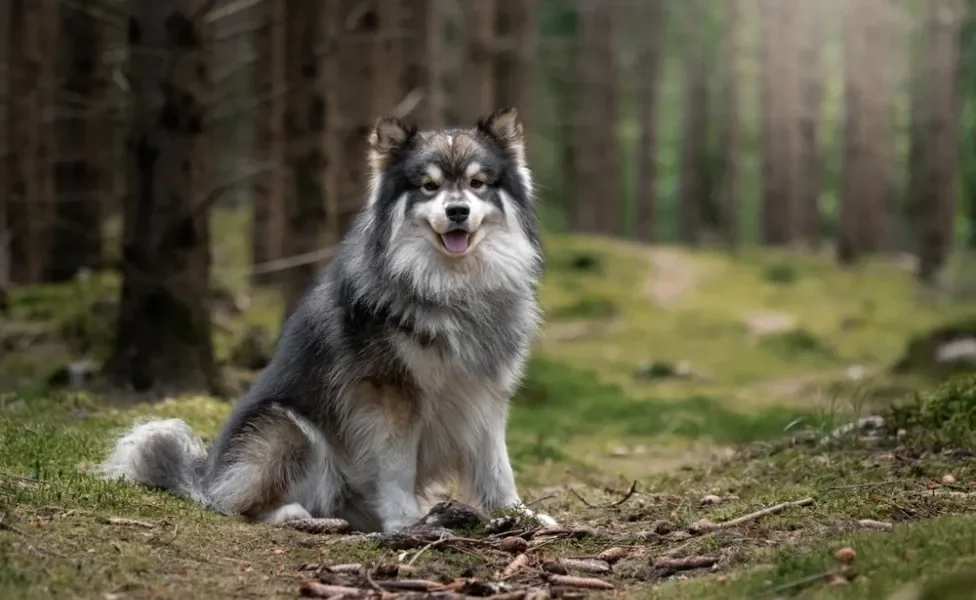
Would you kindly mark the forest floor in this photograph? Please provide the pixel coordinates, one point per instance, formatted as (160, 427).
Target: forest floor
(673, 395)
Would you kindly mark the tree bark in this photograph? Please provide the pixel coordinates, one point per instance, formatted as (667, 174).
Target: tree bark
(305, 116)
(515, 59)
(422, 49)
(940, 135)
(164, 331)
(478, 82)
(31, 70)
(596, 149)
(81, 131)
(731, 127)
(271, 187)
(812, 18)
(649, 61)
(694, 133)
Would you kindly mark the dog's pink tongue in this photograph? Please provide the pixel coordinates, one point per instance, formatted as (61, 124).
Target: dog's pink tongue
(456, 242)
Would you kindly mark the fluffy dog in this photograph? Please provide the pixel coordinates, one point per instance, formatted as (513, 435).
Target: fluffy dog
(395, 371)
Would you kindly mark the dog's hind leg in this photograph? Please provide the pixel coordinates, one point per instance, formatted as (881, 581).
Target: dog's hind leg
(260, 471)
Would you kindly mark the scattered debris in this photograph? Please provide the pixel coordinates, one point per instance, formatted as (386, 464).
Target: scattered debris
(948, 479)
(711, 499)
(612, 555)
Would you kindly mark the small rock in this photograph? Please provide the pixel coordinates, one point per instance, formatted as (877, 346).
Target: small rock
(619, 452)
(711, 499)
(948, 479)
(845, 555)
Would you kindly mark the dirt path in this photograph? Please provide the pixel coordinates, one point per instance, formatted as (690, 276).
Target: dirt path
(672, 276)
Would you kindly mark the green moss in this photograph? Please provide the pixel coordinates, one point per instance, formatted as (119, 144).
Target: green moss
(945, 417)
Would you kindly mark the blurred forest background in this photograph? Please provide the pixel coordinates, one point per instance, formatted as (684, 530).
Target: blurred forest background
(129, 130)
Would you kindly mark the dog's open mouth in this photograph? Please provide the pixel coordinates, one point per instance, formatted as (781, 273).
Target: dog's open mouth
(456, 242)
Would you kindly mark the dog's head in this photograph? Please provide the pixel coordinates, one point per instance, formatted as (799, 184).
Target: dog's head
(454, 207)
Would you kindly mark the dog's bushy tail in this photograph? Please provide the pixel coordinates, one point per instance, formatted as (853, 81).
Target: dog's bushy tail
(161, 454)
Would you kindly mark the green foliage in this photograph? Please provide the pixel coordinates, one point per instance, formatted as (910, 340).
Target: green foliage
(942, 418)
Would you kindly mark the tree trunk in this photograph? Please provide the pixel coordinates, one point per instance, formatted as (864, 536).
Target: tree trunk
(6, 98)
(422, 49)
(649, 60)
(596, 152)
(731, 128)
(305, 115)
(31, 69)
(940, 135)
(271, 186)
(478, 82)
(164, 330)
(81, 131)
(515, 59)
(694, 143)
(812, 17)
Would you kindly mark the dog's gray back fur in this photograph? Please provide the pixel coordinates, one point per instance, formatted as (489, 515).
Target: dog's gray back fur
(395, 370)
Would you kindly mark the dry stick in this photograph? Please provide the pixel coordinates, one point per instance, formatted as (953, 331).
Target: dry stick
(580, 582)
(627, 496)
(581, 498)
(542, 499)
(128, 522)
(441, 540)
(762, 513)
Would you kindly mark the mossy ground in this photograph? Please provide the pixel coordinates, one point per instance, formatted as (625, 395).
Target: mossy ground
(728, 410)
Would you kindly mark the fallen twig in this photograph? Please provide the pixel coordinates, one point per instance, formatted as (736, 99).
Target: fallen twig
(581, 498)
(684, 564)
(627, 496)
(589, 583)
(426, 548)
(583, 565)
(409, 585)
(124, 522)
(538, 500)
(708, 526)
(314, 589)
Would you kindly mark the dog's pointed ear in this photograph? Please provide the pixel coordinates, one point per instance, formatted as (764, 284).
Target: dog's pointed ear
(505, 127)
(388, 135)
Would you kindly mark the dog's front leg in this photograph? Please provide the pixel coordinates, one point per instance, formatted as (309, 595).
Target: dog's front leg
(489, 477)
(396, 502)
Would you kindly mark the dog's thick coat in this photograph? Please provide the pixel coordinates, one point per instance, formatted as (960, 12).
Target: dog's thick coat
(395, 371)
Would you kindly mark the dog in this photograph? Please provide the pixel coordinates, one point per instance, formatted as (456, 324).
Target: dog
(395, 371)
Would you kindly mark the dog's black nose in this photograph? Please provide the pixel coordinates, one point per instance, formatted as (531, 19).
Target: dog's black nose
(458, 212)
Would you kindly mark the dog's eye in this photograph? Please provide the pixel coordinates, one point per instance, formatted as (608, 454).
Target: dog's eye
(431, 186)
(477, 184)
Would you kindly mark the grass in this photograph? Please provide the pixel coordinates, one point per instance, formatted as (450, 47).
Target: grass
(650, 369)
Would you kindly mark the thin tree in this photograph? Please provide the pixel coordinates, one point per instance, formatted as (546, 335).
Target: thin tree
(422, 49)
(516, 25)
(939, 156)
(649, 61)
(81, 129)
(271, 186)
(694, 133)
(30, 212)
(478, 81)
(163, 338)
(867, 195)
(5, 145)
(731, 126)
(305, 115)
(595, 155)
(812, 19)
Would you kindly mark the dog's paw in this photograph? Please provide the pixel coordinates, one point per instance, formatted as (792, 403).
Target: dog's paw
(545, 519)
(283, 514)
